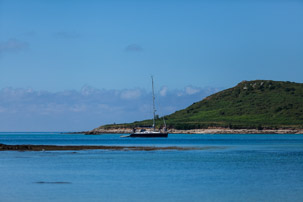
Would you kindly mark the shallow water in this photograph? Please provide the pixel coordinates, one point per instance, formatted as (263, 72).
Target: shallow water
(227, 168)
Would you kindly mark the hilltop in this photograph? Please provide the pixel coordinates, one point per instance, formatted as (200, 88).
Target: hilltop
(258, 104)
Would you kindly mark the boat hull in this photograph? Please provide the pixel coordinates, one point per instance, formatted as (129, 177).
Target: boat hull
(148, 135)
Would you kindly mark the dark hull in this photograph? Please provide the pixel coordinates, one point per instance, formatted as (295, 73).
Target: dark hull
(148, 135)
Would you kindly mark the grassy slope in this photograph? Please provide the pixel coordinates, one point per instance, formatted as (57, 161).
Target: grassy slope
(250, 104)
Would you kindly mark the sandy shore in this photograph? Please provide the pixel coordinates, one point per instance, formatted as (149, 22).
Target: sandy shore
(4, 147)
(204, 131)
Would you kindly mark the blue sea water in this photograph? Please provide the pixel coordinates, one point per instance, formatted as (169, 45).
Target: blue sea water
(225, 168)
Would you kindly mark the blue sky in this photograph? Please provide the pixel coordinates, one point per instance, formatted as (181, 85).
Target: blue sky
(112, 45)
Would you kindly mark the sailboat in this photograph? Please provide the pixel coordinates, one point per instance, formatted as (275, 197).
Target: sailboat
(153, 132)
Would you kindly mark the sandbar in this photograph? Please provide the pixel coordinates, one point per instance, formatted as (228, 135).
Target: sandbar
(4, 147)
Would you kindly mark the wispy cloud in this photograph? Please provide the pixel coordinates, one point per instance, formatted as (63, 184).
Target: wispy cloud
(163, 91)
(131, 94)
(13, 45)
(191, 90)
(133, 48)
(27, 109)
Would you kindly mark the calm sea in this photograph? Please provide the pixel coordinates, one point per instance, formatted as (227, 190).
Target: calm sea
(227, 168)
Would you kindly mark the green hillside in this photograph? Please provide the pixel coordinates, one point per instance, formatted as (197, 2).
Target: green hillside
(251, 104)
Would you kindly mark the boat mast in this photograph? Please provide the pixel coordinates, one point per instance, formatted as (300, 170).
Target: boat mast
(154, 108)
(164, 122)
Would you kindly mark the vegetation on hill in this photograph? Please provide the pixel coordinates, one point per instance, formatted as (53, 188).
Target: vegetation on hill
(251, 104)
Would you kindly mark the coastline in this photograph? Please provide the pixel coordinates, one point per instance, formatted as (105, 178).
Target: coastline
(201, 131)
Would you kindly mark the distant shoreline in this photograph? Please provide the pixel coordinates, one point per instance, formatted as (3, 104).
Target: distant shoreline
(201, 131)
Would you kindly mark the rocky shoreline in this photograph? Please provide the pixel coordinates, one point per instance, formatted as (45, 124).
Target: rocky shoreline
(202, 131)
(4, 147)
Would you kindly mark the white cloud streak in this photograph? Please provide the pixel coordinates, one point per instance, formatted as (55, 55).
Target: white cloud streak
(21, 109)
(163, 91)
(131, 94)
(191, 90)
